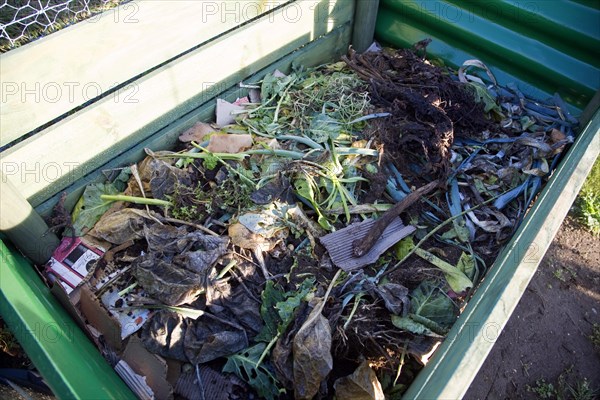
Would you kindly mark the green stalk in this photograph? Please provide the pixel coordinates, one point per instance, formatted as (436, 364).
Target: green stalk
(268, 349)
(300, 139)
(136, 200)
(433, 232)
(294, 155)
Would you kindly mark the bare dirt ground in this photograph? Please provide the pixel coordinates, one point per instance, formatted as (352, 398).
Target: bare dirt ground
(549, 331)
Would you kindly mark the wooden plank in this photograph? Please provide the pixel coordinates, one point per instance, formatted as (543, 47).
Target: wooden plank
(328, 48)
(364, 24)
(53, 75)
(57, 157)
(455, 364)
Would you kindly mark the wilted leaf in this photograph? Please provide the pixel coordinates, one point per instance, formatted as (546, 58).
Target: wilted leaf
(457, 280)
(323, 128)
(91, 207)
(208, 340)
(361, 385)
(165, 177)
(229, 143)
(482, 95)
(428, 301)
(260, 378)
(282, 360)
(120, 226)
(312, 355)
(166, 282)
(163, 334)
(244, 238)
(197, 133)
(395, 297)
(276, 189)
(409, 325)
(466, 264)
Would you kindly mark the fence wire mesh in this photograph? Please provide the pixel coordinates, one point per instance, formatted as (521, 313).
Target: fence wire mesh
(22, 21)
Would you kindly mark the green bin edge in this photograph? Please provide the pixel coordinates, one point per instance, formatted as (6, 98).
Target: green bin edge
(70, 363)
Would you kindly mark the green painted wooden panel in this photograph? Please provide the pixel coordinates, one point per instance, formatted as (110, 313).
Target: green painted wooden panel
(66, 358)
(46, 163)
(544, 46)
(52, 76)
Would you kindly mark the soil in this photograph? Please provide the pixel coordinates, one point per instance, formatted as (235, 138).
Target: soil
(546, 335)
(548, 332)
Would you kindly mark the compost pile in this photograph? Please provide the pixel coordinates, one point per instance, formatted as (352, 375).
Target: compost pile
(322, 237)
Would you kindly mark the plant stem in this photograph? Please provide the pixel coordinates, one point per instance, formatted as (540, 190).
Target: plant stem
(267, 349)
(135, 200)
(437, 228)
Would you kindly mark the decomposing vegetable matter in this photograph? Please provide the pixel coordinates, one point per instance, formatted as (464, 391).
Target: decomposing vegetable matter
(219, 240)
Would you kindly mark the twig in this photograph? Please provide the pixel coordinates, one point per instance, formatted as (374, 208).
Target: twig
(363, 245)
(199, 227)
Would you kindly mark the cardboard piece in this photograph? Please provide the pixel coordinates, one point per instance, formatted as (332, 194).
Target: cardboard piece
(95, 313)
(341, 251)
(150, 366)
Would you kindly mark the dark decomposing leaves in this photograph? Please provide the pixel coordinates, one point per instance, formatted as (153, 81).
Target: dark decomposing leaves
(361, 385)
(312, 354)
(168, 283)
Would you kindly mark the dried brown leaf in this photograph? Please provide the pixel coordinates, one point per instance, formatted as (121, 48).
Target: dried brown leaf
(312, 355)
(361, 385)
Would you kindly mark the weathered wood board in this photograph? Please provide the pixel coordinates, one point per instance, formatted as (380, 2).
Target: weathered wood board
(52, 76)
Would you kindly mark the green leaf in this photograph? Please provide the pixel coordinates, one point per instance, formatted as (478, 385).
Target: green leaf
(482, 95)
(270, 297)
(457, 280)
(407, 324)
(403, 247)
(278, 307)
(461, 230)
(427, 300)
(429, 324)
(287, 308)
(466, 264)
(324, 128)
(210, 161)
(305, 188)
(261, 379)
(91, 207)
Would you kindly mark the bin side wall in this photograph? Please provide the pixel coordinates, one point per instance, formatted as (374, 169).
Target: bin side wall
(542, 46)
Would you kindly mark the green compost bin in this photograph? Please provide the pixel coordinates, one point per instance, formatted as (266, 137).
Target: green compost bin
(544, 47)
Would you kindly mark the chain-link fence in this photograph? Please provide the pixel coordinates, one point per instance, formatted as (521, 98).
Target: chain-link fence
(22, 21)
